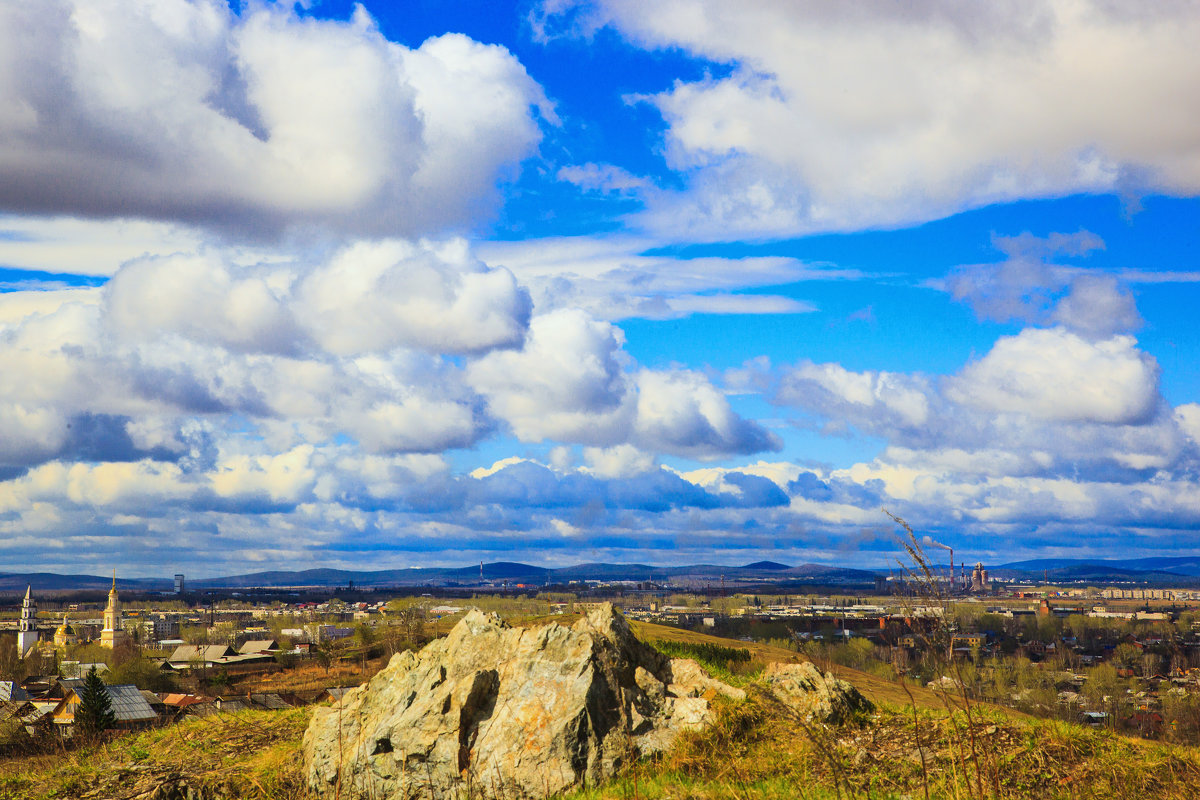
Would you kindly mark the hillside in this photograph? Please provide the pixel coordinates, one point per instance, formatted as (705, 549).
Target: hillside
(754, 751)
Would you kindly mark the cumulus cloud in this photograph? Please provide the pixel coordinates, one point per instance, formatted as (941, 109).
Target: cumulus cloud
(681, 412)
(253, 123)
(620, 461)
(844, 116)
(569, 383)
(1057, 375)
(883, 399)
(380, 295)
(368, 297)
(1045, 405)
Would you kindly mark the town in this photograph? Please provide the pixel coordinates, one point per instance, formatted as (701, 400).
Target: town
(1110, 656)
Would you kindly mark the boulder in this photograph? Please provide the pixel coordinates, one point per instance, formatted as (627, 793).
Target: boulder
(813, 695)
(493, 711)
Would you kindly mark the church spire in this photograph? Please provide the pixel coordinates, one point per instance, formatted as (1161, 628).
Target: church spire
(27, 632)
(113, 635)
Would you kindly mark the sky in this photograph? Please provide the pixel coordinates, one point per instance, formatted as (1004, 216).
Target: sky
(320, 284)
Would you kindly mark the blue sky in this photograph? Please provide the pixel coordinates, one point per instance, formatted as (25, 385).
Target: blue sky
(366, 286)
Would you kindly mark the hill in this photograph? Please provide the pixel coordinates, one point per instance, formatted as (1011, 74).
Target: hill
(932, 746)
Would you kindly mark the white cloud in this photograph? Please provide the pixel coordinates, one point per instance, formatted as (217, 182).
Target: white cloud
(852, 115)
(681, 412)
(1057, 375)
(201, 298)
(87, 247)
(612, 279)
(888, 399)
(375, 296)
(602, 178)
(569, 383)
(368, 297)
(1030, 286)
(1097, 306)
(184, 111)
(621, 461)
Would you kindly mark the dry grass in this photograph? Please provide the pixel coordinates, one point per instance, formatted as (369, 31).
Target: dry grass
(246, 754)
(311, 677)
(756, 752)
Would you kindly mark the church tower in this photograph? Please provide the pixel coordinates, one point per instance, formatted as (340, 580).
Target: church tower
(65, 635)
(113, 635)
(27, 634)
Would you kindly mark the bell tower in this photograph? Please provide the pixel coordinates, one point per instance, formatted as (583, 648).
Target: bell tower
(27, 634)
(114, 635)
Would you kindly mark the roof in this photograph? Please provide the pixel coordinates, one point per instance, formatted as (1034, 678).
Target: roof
(184, 700)
(185, 654)
(337, 692)
(128, 705)
(271, 701)
(37, 713)
(232, 704)
(11, 691)
(259, 646)
(9, 709)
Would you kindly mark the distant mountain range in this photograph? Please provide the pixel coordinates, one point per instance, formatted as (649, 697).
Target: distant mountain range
(1180, 565)
(497, 571)
(1179, 571)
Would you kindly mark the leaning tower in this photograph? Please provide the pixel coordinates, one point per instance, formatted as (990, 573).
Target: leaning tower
(27, 634)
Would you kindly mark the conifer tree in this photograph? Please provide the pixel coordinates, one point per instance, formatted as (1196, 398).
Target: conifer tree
(95, 714)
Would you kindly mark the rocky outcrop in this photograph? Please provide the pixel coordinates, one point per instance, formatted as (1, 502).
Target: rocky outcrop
(494, 711)
(815, 696)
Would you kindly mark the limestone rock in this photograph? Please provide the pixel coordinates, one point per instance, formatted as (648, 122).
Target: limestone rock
(813, 695)
(494, 711)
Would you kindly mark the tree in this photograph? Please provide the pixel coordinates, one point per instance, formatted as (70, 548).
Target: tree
(142, 673)
(364, 636)
(412, 622)
(95, 714)
(12, 666)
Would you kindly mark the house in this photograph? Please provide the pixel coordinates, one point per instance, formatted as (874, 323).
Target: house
(38, 685)
(267, 700)
(77, 669)
(177, 705)
(259, 647)
(972, 640)
(154, 701)
(209, 656)
(128, 706)
(198, 655)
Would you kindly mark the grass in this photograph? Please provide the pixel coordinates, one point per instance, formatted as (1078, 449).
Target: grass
(246, 754)
(753, 752)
